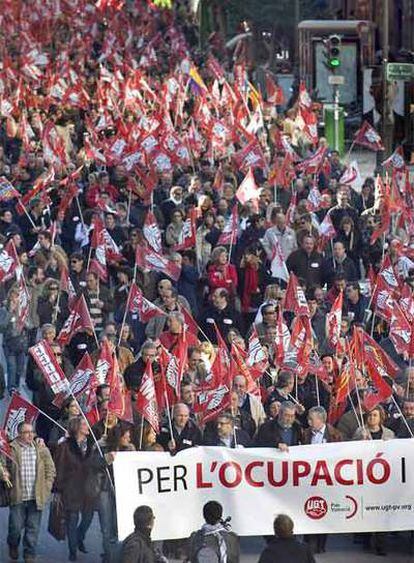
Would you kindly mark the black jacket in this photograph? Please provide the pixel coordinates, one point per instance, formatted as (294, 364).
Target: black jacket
(286, 550)
(306, 266)
(137, 548)
(269, 435)
(242, 439)
(331, 267)
(189, 437)
(226, 319)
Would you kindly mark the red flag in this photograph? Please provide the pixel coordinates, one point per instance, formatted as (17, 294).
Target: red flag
(19, 410)
(304, 99)
(66, 285)
(248, 191)
(78, 320)
(295, 299)
(342, 385)
(379, 390)
(46, 361)
(282, 339)
(24, 300)
(366, 349)
(146, 403)
(148, 259)
(366, 136)
(220, 369)
(333, 321)
(278, 266)
(239, 367)
(190, 324)
(80, 380)
(317, 368)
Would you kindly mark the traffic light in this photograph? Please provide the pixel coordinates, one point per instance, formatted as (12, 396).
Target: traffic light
(333, 52)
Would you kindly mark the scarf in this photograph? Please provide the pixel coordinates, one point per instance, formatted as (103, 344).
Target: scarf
(251, 283)
(215, 529)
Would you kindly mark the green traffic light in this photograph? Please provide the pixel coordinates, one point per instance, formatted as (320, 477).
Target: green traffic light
(334, 63)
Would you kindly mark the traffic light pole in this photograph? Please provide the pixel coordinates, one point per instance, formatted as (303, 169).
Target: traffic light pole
(336, 117)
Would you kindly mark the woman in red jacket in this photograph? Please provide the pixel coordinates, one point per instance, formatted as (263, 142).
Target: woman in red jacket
(221, 273)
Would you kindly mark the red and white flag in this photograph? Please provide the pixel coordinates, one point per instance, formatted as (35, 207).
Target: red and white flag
(139, 305)
(333, 321)
(148, 259)
(152, 232)
(187, 237)
(5, 448)
(229, 233)
(352, 177)
(19, 410)
(9, 261)
(257, 358)
(210, 403)
(396, 160)
(248, 191)
(42, 353)
(146, 402)
(295, 299)
(78, 320)
(326, 231)
(278, 266)
(80, 380)
(66, 285)
(368, 137)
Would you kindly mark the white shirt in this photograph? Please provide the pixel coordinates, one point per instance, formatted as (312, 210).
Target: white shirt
(318, 436)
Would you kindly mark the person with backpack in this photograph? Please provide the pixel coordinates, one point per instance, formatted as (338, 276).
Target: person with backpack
(214, 542)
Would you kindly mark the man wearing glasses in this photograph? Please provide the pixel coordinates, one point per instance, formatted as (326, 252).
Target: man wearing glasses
(31, 474)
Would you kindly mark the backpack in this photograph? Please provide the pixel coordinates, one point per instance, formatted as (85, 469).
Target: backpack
(208, 550)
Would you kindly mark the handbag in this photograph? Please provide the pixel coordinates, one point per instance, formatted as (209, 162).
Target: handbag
(4, 494)
(57, 521)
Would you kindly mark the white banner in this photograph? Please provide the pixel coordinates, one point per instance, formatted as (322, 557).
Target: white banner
(327, 488)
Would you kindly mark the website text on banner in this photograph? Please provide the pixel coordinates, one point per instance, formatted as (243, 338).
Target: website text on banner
(361, 486)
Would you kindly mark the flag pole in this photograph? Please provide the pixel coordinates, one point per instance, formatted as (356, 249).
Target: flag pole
(141, 433)
(52, 420)
(27, 215)
(317, 390)
(125, 316)
(169, 414)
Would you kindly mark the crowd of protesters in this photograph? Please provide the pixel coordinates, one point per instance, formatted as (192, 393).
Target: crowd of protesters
(164, 222)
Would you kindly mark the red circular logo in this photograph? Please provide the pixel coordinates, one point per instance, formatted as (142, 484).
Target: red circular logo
(316, 508)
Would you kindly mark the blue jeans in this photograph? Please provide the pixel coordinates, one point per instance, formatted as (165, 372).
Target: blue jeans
(16, 363)
(24, 516)
(107, 520)
(77, 533)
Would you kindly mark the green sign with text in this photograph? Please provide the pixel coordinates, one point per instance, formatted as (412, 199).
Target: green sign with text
(400, 71)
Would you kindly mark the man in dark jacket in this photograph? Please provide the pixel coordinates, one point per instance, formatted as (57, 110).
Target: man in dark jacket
(137, 547)
(186, 433)
(283, 548)
(227, 435)
(281, 432)
(222, 314)
(339, 262)
(306, 262)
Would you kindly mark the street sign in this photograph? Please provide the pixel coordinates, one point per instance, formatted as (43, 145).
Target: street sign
(400, 71)
(336, 80)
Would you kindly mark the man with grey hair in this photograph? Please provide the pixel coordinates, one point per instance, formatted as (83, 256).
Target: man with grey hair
(185, 432)
(319, 431)
(282, 432)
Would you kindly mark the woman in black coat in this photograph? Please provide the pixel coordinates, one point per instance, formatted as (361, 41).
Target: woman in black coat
(76, 482)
